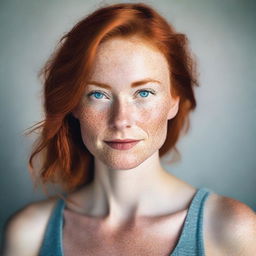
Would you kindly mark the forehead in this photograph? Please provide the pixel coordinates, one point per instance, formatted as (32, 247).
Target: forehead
(120, 59)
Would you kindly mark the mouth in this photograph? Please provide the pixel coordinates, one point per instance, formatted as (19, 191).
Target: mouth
(122, 144)
(124, 140)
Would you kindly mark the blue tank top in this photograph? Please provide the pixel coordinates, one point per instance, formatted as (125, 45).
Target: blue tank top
(190, 242)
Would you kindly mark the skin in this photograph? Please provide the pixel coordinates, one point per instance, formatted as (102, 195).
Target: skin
(122, 112)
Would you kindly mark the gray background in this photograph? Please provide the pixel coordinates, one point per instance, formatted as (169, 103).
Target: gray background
(219, 150)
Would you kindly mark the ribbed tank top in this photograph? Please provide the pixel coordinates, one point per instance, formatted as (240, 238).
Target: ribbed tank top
(190, 242)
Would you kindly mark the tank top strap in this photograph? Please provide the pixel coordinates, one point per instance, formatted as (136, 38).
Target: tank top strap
(191, 238)
(52, 242)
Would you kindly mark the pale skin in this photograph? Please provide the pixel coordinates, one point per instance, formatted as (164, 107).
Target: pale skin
(132, 195)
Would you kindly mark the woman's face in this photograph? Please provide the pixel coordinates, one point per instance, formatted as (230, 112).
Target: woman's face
(119, 110)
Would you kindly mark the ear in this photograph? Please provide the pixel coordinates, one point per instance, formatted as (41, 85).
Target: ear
(174, 107)
(75, 113)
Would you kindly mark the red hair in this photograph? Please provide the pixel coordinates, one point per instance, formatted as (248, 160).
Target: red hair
(65, 159)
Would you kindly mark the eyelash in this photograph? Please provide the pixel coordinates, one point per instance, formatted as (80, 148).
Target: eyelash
(143, 90)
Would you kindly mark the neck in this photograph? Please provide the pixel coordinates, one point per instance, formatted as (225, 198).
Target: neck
(125, 194)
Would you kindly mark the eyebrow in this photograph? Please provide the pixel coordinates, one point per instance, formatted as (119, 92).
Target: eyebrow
(134, 84)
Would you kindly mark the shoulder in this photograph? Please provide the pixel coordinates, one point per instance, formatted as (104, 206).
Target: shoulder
(24, 230)
(230, 226)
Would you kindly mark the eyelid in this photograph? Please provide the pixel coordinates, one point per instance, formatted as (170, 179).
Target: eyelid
(147, 89)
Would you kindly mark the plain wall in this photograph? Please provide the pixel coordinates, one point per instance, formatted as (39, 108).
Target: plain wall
(219, 150)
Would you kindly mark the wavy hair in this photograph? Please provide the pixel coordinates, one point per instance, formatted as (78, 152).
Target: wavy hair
(65, 160)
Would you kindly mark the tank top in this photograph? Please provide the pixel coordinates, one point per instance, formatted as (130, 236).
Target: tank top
(190, 242)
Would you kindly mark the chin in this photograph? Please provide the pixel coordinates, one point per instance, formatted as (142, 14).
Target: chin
(122, 164)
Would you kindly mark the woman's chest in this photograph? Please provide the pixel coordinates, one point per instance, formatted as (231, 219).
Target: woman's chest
(158, 237)
(96, 245)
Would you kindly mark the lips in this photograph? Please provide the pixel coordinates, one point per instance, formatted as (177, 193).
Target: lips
(122, 144)
(123, 141)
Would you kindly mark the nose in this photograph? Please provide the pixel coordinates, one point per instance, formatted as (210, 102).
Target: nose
(122, 114)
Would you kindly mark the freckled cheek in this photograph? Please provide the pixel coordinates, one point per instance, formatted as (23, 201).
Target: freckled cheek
(91, 123)
(152, 119)
(155, 119)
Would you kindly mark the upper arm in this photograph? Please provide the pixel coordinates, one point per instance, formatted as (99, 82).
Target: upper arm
(234, 227)
(25, 229)
(17, 235)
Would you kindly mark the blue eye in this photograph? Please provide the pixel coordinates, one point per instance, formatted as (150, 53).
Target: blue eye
(97, 94)
(145, 93)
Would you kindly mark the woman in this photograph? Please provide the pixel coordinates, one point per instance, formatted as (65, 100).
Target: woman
(118, 93)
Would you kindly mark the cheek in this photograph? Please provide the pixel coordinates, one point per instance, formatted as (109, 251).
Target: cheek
(152, 119)
(155, 118)
(90, 123)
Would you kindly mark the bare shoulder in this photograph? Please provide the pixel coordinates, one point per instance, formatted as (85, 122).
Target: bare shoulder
(230, 227)
(25, 229)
